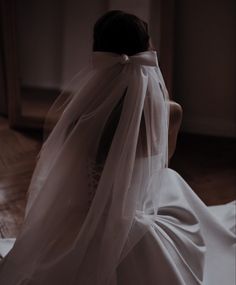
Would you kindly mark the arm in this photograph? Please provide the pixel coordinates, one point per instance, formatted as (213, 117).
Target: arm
(174, 125)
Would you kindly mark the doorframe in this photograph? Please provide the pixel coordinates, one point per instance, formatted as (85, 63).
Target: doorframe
(10, 61)
(12, 69)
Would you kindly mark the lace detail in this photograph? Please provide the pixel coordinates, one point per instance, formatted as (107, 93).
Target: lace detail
(94, 174)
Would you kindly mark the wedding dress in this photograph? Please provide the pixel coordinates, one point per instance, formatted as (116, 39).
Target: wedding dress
(104, 208)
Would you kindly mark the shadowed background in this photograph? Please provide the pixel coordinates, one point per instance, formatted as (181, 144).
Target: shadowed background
(44, 43)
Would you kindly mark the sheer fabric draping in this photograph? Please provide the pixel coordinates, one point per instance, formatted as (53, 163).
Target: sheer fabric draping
(116, 117)
(103, 207)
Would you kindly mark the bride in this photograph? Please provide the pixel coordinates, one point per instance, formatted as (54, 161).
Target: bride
(104, 208)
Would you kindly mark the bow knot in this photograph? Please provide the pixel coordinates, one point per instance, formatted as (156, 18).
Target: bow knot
(124, 59)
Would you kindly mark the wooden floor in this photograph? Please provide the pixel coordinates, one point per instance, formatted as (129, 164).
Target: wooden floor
(207, 164)
(18, 153)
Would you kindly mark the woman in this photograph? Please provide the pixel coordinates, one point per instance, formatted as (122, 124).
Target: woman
(104, 208)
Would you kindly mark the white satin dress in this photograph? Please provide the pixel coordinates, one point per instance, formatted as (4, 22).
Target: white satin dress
(187, 243)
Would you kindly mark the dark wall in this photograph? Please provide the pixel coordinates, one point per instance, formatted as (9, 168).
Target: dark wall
(205, 65)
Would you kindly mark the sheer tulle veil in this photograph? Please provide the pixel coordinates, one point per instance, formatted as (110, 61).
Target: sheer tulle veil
(131, 156)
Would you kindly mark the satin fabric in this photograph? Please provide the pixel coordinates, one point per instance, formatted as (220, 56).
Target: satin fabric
(187, 243)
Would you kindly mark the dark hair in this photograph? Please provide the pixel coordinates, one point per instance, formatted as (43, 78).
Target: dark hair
(120, 33)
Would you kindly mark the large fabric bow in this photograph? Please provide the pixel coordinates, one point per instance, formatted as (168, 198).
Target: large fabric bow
(108, 59)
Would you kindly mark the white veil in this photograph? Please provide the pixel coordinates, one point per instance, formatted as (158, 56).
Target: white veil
(98, 179)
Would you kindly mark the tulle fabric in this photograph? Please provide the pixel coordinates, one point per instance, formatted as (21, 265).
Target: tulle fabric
(62, 223)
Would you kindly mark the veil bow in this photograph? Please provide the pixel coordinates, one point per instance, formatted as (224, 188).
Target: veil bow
(106, 59)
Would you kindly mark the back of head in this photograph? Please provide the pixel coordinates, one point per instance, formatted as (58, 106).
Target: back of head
(121, 33)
